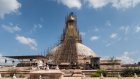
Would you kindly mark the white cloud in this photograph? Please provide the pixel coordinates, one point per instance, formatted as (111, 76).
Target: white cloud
(94, 38)
(82, 34)
(126, 58)
(108, 23)
(118, 4)
(137, 29)
(125, 29)
(98, 3)
(112, 42)
(11, 28)
(8, 6)
(108, 44)
(71, 3)
(35, 27)
(130, 29)
(27, 41)
(124, 4)
(96, 29)
(113, 35)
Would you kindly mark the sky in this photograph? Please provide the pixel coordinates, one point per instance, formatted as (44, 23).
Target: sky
(111, 28)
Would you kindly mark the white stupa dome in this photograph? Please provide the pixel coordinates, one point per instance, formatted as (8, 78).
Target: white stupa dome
(82, 50)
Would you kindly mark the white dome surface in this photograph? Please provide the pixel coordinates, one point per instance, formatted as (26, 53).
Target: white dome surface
(81, 50)
(84, 50)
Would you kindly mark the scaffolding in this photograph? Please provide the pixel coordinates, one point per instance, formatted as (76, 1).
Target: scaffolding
(67, 50)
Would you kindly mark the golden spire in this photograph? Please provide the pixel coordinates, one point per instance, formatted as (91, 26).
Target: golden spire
(70, 30)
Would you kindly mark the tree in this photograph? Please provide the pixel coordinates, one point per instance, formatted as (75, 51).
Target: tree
(129, 72)
(98, 73)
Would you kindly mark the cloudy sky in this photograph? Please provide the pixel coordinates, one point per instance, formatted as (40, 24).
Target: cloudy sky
(109, 27)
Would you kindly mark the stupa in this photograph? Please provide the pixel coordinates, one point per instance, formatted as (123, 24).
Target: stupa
(70, 49)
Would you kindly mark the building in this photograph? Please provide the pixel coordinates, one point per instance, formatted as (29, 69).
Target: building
(110, 64)
(71, 51)
(26, 61)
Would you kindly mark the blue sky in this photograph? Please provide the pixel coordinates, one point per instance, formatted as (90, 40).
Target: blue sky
(109, 27)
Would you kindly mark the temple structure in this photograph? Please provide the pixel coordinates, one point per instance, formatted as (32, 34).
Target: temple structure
(70, 50)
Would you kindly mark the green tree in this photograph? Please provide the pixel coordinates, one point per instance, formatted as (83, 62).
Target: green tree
(129, 72)
(98, 73)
